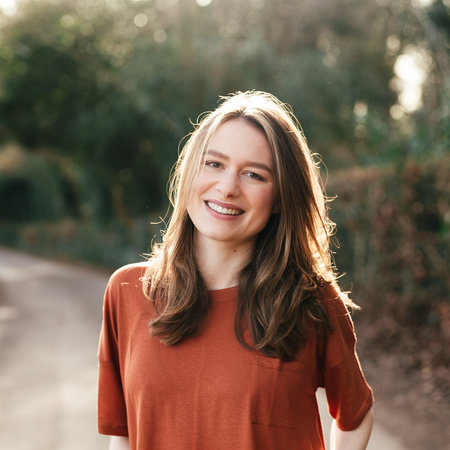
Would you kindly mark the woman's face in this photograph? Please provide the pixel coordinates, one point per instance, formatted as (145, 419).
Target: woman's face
(233, 194)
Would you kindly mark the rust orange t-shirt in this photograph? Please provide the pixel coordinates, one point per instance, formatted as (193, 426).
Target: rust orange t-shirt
(209, 392)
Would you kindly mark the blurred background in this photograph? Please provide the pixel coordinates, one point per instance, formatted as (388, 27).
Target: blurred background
(96, 95)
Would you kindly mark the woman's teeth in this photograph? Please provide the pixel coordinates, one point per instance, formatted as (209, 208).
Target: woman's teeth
(226, 211)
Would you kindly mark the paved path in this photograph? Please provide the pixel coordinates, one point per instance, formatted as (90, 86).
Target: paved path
(50, 315)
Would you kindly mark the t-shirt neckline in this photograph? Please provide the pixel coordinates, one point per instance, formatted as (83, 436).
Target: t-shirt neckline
(223, 295)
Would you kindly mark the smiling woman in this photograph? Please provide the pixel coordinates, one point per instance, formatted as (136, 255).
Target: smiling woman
(234, 194)
(222, 338)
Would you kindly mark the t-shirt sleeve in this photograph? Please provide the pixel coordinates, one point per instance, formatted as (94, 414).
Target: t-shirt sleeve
(348, 394)
(112, 416)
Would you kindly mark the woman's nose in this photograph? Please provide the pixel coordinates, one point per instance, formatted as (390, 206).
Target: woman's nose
(228, 184)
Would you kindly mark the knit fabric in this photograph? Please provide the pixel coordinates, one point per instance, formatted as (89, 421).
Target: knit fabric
(209, 392)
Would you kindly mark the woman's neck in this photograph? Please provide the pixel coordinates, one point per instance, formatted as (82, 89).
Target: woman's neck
(219, 263)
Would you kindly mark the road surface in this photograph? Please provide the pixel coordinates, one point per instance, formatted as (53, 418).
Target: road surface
(50, 316)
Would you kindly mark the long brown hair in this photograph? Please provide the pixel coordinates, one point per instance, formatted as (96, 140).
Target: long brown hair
(279, 288)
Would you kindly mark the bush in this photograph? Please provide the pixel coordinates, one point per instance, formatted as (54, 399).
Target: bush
(393, 226)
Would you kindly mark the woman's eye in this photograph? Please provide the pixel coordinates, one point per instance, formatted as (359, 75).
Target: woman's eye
(213, 164)
(255, 176)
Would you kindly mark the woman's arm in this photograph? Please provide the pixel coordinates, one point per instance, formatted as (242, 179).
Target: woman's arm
(352, 440)
(119, 443)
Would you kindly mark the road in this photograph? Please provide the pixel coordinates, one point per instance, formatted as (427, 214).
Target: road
(50, 316)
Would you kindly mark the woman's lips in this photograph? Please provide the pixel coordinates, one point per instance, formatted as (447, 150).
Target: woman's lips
(226, 211)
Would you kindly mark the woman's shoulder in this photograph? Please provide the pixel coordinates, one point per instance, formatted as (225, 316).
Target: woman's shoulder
(124, 297)
(329, 291)
(334, 299)
(129, 274)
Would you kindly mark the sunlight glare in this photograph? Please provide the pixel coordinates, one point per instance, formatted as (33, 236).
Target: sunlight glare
(8, 7)
(411, 68)
(140, 20)
(396, 112)
(422, 3)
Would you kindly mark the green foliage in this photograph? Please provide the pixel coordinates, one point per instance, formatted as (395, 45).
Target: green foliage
(394, 229)
(44, 186)
(109, 245)
(92, 83)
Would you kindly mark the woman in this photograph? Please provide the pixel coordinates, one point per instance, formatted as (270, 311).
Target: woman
(221, 339)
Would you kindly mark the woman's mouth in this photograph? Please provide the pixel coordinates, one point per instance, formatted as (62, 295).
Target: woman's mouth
(224, 211)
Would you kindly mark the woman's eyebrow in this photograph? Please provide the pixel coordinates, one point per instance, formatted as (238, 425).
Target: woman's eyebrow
(246, 163)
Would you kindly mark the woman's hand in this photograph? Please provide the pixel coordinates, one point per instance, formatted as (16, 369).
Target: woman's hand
(352, 440)
(119, 443)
